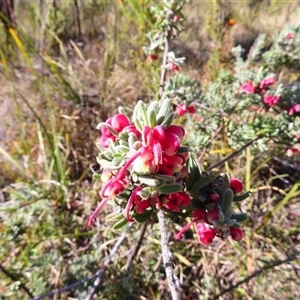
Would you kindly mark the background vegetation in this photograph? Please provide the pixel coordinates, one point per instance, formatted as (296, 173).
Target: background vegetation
(67, 66)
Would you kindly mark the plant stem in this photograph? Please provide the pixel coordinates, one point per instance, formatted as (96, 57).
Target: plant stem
(172, 279)
(221, 162)
(164, 62)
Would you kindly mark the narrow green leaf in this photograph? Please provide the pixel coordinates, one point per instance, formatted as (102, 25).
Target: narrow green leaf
(170, 189)
(241, 197)
(142, 218)
(239, 217)
(227, 201)
(163, 111)
(120, 223)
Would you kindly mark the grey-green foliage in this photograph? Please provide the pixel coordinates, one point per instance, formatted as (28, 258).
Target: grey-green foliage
(182, 88)
(285, 49)
(244, 116)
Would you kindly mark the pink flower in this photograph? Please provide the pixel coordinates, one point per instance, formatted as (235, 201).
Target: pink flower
(206, 236)
(176, 18)
(290, 151)
(198, 215)
(290, 36)
(156, 152)
(199, 119)
(271, 100)
(133, 129)
(294, 109)
(248, 87)
(173, 67)
(297, 107)
(181, 110)
(109, 190)
(172, 164)
(177, 130)
(266, 82)
(105, 131)
(119, 121)
(112, 187)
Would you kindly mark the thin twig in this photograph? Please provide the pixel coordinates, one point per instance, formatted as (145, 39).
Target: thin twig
(233, 154)
(101, 271)
(210, 141)
(136, 247)
(256, 273)
(14, 278)
(164, 62)
(98, 275)
(172, 279)
(78, 18)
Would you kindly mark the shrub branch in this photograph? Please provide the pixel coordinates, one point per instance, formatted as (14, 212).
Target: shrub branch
(167, 258)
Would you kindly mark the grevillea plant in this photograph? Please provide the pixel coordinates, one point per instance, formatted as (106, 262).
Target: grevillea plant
(146, 168)
(147, 172)
(252, 102)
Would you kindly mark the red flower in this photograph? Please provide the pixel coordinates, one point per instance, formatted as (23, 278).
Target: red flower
(271, 100)
(236, 185)
(177, 200)
(153, 57)
(173, 67)
(214, 198)
(236, 233)
(206, 236)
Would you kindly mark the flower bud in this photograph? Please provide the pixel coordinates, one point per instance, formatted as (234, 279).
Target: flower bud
(236, 233)
(236, 185)
(119, 122)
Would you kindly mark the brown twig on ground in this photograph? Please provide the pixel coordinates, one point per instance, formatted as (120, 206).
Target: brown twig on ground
(173, 281)
(136, 247)
(256, 273)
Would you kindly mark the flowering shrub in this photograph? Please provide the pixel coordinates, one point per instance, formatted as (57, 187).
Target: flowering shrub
(250, 103)
(143, 162)
(145, 168)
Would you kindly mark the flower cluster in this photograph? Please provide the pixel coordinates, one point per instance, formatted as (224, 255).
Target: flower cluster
(261, 88)
(183, 109)
(295, 109)
(212, 199)
(143, 162)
